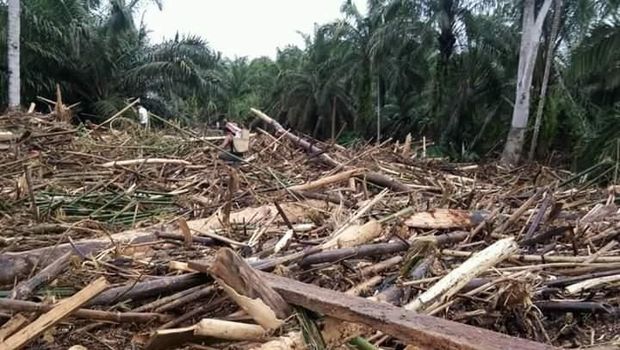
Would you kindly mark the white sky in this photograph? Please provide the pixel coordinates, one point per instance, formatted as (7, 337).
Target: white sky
(250, 28)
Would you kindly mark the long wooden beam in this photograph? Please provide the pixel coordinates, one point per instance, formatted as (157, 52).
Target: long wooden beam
(372, 176)
(424, 331)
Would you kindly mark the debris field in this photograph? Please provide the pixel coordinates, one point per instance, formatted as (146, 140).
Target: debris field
(114, 237)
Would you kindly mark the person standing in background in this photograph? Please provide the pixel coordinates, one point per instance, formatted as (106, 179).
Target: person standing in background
(143, 117)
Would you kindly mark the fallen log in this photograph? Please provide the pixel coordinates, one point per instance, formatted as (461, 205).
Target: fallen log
(412, 328)
(61, 310)
(118, 317)
(25, 289)
(459, 277)
(369, 250)
(17, 265)
(144, 161)
(246, 287)
(146, 289)
(445, 219)
(372, 176)
(345, 175)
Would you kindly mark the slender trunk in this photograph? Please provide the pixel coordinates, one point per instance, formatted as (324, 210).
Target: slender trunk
(13, 54)
(530, 41)
(557, 15)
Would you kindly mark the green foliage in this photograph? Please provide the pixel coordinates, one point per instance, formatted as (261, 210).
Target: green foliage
(444, 69)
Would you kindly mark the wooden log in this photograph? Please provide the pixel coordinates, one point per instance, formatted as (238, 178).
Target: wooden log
(146, 289)
(25, 289)
(228, 330)
(445, 219)
(355, 235)
(412, 328)
(325, 181)
(374, 177)
(144, 161)
(119, 317)
(459, 277)
(246, 287)
(206, 328)
(14, 266)
(63, 309)
(376, 249)
(328, 197)
(591, 283)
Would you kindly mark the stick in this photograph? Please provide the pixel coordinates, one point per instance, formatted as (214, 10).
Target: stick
(591, 283)
(119, 113)
(229, 330)
(25, 289)
(459, 277)
(540, 258)
(145, 161)
(61, 310)
(119, 317)
(327, 180)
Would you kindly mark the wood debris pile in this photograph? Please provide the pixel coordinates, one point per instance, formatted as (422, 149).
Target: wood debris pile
(129, 239)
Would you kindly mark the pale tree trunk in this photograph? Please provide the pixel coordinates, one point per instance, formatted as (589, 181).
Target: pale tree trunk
(530, 41)
(13, 54)
(555, 28)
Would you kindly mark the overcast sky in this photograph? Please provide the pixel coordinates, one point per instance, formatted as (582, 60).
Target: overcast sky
(250, 28)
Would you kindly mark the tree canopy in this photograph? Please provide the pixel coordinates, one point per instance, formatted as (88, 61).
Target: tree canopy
(445, 69)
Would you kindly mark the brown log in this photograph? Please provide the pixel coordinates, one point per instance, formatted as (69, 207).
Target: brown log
(14, 266)
(247, 288)
(416, 329)
(25, 289)
(119, 317)
(374, 177)
(325, 197)
(150, 288)
(56, 314)
(445, 219)
(328, 180)
(369, 250)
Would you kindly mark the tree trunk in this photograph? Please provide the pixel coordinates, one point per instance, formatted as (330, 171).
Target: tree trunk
(13, 54)
(530, 41)
(557, 15)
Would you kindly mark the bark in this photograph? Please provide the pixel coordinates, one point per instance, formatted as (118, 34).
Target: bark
(14, 54)
(530, 41)
(557, 16)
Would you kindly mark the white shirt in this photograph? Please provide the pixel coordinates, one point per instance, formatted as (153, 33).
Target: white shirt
(144, 115)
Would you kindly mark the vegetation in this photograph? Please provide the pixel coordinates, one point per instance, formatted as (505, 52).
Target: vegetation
(446, 69)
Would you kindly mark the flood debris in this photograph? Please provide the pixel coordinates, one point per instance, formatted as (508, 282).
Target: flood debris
(118, 238)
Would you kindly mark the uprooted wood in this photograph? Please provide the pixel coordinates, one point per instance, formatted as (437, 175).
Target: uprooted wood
(247, 288)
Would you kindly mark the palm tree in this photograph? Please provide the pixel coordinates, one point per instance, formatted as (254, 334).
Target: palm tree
(530, 41)
(14, 54)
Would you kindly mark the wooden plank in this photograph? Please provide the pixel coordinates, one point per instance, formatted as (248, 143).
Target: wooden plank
(420, 330)
(11, 326)
(49, 319)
